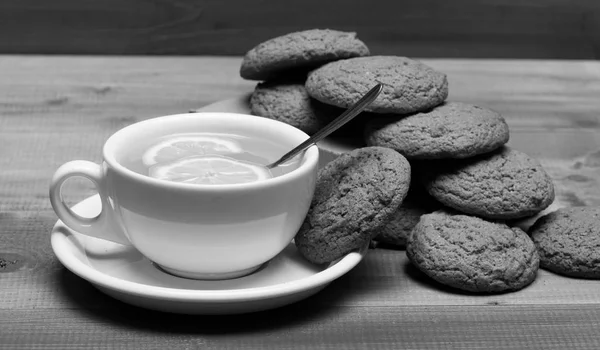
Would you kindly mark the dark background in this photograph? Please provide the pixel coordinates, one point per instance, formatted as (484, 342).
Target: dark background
(420, 28)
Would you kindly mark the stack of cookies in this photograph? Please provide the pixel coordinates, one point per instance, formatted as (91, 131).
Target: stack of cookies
(282, 65)
(434, 176)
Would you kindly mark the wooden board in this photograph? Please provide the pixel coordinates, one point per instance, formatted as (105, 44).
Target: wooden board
(55, 109)
(433, 28)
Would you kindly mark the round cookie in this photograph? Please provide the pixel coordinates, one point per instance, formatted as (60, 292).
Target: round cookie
(299, 52)
(472, 254)
(503, 184)
(408, 85)
(568, 241)
(289, 102)
(451, 130)
(356, 194)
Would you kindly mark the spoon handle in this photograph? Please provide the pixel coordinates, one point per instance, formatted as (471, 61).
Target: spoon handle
(345, 117)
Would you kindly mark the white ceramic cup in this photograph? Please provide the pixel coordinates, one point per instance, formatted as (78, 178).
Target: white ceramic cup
(194, 231)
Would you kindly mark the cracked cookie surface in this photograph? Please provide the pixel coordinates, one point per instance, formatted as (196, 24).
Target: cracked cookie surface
(503, 184)
(417, 203)
(356, 194)
(472, 254)
(451, 130)
(568, 241)
(299, 52)
(408, 85)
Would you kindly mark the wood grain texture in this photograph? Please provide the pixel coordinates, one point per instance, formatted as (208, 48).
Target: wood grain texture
(432, 28)
(58, 108)
(325, 327)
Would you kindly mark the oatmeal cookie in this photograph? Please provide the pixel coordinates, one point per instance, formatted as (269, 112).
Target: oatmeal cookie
(472, 254)
(504, 184)
(568, 241)
(356, 194)
(451, 130)
(408, 85)
(289, 102)
(298, 52)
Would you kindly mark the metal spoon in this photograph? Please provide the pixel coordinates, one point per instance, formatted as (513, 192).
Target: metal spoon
(345, 117)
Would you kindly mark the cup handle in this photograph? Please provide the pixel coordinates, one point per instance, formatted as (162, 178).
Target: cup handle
(104, 225)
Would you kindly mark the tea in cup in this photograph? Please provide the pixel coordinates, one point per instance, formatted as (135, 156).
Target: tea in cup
(191, 192)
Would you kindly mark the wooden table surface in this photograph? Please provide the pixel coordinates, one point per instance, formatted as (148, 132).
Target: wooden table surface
(55, 108)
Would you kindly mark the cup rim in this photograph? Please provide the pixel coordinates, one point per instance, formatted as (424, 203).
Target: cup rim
(310, 155)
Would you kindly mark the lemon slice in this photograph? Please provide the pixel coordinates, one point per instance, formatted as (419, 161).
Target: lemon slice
(186, 146)
(210, 170)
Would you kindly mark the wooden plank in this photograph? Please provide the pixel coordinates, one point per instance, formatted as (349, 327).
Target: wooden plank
(433, 28)
(311, 327)
(384, 279)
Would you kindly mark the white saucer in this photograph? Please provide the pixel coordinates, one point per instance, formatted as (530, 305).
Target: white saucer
(123, 273)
